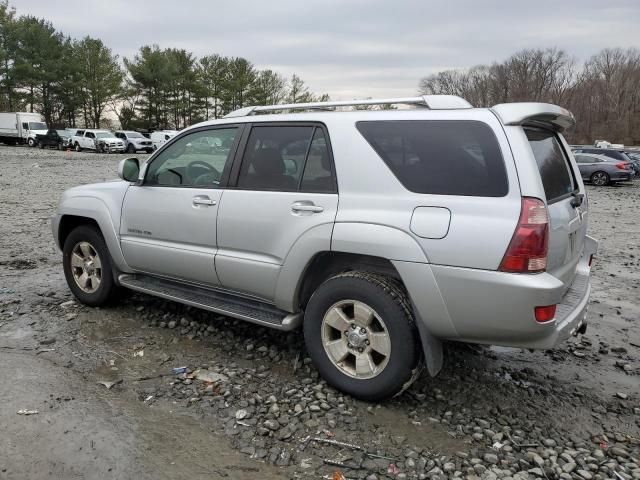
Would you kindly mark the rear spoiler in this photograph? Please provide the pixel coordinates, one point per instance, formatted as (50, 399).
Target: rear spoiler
(530, 113)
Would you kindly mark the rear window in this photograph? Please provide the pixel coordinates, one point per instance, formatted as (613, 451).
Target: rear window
(441, 157)
(553, 164)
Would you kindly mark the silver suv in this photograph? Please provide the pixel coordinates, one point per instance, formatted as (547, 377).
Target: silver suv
(380, 232)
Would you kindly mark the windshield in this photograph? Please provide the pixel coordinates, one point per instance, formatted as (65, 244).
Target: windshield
(134, 135)
(37, 126)
(64, 133)
(103, 135)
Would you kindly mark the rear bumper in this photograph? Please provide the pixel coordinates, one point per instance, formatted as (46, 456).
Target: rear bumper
(622, 177)
(497, 308)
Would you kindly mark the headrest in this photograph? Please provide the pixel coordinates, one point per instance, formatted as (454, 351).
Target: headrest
(268, 161)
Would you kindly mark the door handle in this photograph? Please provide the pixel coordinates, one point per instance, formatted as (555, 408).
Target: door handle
(203, 200)
(306, 207)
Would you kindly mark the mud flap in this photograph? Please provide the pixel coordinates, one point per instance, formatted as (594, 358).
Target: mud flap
(431, 347)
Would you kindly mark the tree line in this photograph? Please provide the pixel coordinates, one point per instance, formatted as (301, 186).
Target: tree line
(603, 92)
(82, 82)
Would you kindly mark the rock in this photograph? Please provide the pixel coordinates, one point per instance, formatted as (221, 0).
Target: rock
(242, 414)
(569, 467)
(618, 452)
(48, 341)
(449, 467)
(272, 425)
(618, 350)
(538, 472)
(211, 377)
(491, 458)
(621, 395)
(585, 474)
(172, 324)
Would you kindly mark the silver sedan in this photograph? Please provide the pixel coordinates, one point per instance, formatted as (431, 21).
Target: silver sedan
(601, 170)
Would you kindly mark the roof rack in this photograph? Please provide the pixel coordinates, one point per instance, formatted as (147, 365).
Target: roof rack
(433, 102)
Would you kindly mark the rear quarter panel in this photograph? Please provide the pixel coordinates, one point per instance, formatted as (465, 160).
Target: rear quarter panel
(480, 228)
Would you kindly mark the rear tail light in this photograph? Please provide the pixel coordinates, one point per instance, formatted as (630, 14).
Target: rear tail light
(622, 165)
(545, 314)
(590, 259)
(527, 252)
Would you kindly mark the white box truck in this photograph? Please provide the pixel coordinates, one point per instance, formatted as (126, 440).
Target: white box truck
(21, 127)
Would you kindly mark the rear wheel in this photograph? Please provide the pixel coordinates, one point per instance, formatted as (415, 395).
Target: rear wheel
(360, 334)
(87, 266)
(600, 179)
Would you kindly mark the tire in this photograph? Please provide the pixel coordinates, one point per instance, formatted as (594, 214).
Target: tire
(600, 178)
(131, 149)
(59, 146)
(383, 301)
(41, 145)
(84, 243)
(77, 147)
(31, 142)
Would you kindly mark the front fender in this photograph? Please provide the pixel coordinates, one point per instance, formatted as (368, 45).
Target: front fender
(98, 210)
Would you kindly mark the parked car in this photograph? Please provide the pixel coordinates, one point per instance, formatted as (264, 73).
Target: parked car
(56, 138)
(396, 229)
(615, 153)
(21, 127)
(98, 140)
(602, 170)
(634, 156)
(134, 141)
(161, 137)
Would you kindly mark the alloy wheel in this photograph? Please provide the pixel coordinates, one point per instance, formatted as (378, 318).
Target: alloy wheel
(86, 267)
(356, 339)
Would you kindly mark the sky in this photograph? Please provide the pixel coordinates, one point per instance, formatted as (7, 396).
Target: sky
(350, 48)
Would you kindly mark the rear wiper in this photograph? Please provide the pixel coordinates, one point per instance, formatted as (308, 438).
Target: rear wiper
(578, 198)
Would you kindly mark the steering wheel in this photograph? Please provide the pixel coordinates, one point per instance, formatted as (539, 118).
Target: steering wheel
(211, 177)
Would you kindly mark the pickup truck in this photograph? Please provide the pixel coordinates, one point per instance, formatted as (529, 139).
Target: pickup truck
(98, 140)
(54, 138)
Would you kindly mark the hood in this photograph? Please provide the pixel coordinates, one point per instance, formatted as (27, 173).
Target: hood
(38, 132)
(110, 139)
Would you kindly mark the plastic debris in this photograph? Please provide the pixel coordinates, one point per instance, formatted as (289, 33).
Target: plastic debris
(178, 370)
(108, 385)
(139, 353)
(393, 469)
(27, 412)
(338, 475)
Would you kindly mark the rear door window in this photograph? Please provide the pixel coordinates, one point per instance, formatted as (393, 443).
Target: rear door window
(553, 164)
(441, 157)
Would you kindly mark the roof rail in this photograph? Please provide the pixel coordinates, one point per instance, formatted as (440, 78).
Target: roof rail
(433, 102)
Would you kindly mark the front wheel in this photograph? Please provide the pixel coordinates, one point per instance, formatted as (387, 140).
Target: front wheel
(359, 331)
(87, 266)
(600, 179)
(78, 148)
(31, 142)
(131, 149)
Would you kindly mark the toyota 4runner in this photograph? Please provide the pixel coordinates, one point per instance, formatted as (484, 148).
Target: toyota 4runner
(379, 232)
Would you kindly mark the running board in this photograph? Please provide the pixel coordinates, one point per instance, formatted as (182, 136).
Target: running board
(217, 301)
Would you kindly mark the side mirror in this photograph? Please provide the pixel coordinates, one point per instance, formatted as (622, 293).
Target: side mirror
(129, 169)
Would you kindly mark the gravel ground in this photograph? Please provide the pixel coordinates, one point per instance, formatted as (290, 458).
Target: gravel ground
(250, 405)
